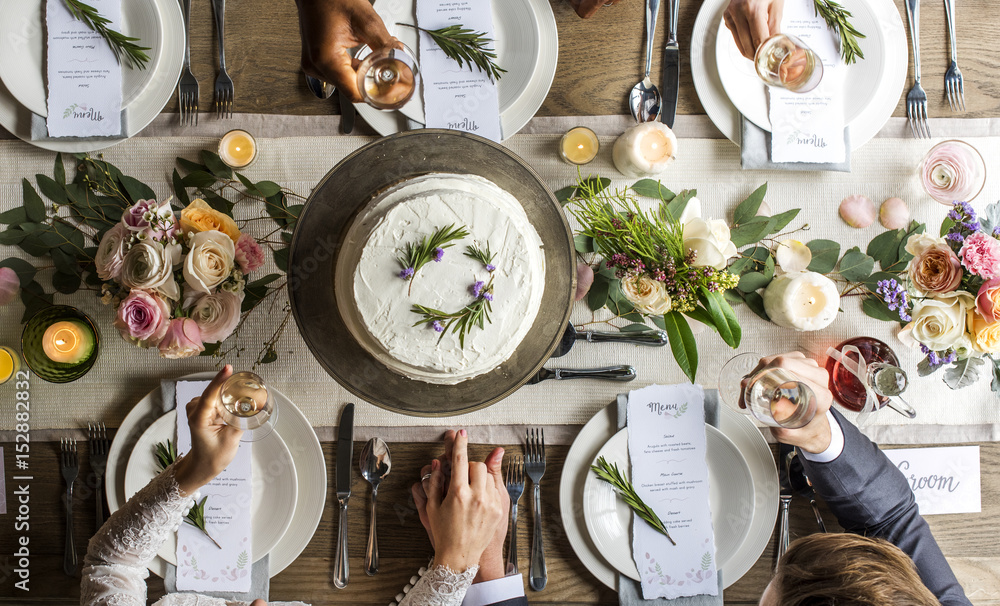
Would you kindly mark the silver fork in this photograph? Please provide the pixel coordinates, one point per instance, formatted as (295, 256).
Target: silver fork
(224, 91)
(534, 466)
(514, 480)
(187, 89)
(98, 462)
(916, 99)
(70, 465)
(953, 82)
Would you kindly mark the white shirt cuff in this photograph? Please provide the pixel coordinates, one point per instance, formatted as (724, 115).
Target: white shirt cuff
(836, 443)
(497, 590)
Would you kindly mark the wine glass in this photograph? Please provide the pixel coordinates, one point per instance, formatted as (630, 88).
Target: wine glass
(247, 404)
(786, 62)
(774, 396)
(387, 77)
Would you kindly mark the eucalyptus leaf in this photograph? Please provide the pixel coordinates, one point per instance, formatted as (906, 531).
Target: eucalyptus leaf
(35, 299)
(963, 372)
(12, 236)
(14, 216)
(856, 266)
(682, 343)
(584, 244)
(136, 190)
(749, 232)
(781, 220)
(270, 356)
(199, 178)
(565, 194)
(215, 164)
(825, 254)
(191, 166)
(653, 189)
(658, 322)
(67, 284)
(65, 263)
(752, 281)
(995, 383)
(276, 207)
(733, 297)
(769, 268)
(59, 170)
(675, 208)
(747, 209)
(248, 184)
(903, 256)
(874, 307)
(281, 259)
(990, 217)
(216, 201)
(756, 304)
(263, 281)
(179, 190)
(871, 282)
(52, 189)
(268, 188)
(884, 247)
(33, 205)
(597, 297)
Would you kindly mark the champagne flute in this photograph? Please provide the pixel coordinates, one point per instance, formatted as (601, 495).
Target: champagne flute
(387, 77)
(776, 397)
(247, 404)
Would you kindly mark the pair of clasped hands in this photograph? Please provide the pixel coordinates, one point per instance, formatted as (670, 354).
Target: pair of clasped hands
(331, 28)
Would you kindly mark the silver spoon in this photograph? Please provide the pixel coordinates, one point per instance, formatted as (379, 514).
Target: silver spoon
(375, 465)
(644, 100)
(322, 90)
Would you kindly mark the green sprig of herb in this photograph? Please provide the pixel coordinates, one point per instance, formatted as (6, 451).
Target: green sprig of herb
(418, 255)
(465, 46)
(612, 475)
(462, 321)
(483, 256)
(121, 45)
(838, 19)
(166, 454)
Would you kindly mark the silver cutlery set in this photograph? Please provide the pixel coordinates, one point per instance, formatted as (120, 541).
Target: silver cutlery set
(792, 479)
(532, 464)
(916, 99)
(69, 466)
(187, 87)
(645, 101)
(324, 90)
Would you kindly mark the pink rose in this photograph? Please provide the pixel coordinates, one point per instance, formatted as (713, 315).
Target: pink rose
(183, 339)
(988, 300)
(981, 255)
(111, 251)
(248, 254)
(154, 220)
(143, 317)
(10, 285)
(935, 269)
(217, 315)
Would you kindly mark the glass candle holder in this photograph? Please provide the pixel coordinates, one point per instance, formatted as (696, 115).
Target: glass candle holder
(60, 344)
(953, 171)
(238, 149)
(10, 363)
(579, 146)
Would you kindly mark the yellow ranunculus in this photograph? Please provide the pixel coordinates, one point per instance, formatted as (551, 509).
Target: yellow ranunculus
(199, 217)
(985, 335)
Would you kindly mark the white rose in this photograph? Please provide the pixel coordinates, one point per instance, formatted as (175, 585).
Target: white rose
(111, 252)
(210, 260)
(646, 294)
(918, 243)
(217, 315)
(711, 242)
(939, 323)
(148, 266)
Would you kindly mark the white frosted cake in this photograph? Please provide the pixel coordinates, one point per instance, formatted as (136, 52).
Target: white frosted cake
(377, 303)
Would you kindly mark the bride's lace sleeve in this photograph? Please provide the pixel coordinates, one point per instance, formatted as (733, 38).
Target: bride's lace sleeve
(114, 570)
(440, 586)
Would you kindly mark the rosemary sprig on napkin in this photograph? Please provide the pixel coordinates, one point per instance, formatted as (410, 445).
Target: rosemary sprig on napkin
(466, 47)
(612, 475)
(429, 249)
(838, 19)
(166, 454)
(121, 45)
(476, 313)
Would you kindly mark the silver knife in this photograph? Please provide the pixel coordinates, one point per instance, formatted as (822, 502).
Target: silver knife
(671, 67)
(345, 454)
(785, 496)
(347, 112)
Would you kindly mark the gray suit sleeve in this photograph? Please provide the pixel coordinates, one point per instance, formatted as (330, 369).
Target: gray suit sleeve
(871, 497)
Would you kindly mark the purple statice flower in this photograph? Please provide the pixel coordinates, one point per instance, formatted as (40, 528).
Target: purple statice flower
(950, 357)
(923, 348)
(934, 359)
(488, 296)
(894, 295)
(437, 326)
(996, 231)
(438, 254)
(477, 288)
(971, 226)
(964, 210)
(954, 236)
(490, 267)
(406, 274)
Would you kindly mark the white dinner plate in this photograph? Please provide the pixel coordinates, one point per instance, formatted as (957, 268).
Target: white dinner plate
(299, 438)
(165, 72)
(727, 84)
(743, 434)
(22, 46)
(527, 46)
(609, 519)
(275, 485)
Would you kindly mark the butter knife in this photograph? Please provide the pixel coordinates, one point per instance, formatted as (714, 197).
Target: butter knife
(345, 454)
(671, 67)
(347, 113)
(786, 499)
(609, 373)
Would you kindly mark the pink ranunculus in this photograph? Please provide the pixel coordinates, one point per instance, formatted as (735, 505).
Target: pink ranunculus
(248, 254)
(143, 317)
(111, 252)
(217, 315)
(981, 255)
(135, 217)
(155, 220)
(988, 300)
(183, 339)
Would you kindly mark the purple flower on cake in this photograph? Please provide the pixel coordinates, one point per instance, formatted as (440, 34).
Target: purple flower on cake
(406, 274)
(491, 268)
(438, 254)
(437, 326)
(488, 296)
(249, 256)
(143, 317)
(981, 255)
(477, 288)
(183, 339)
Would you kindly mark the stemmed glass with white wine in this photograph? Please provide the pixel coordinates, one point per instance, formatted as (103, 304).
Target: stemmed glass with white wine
(246, 403)
(387, 77)
(787, 62)
(776, 397)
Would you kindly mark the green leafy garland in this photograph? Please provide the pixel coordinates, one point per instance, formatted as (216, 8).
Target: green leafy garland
(121, 45)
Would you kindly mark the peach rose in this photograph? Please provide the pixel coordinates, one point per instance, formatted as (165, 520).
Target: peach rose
(199, 217)
(988, 300)
(985, 335)
(935, 268)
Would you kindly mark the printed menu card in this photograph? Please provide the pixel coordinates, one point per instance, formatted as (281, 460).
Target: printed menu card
(201, 564)
(667, 448)
(457, 98)
(809, 127)
(84, 78)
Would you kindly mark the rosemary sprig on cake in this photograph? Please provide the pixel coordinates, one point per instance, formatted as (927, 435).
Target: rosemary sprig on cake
(483, 256)
(464, 320)
(612, 475)
(838, 19)
(166, 454)
(466, 47)
(429, 249)
(121, 45)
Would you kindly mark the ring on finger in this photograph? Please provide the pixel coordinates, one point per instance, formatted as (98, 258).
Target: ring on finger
(425, 477)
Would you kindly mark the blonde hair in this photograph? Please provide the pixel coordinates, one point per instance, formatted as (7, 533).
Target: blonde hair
(848, 570)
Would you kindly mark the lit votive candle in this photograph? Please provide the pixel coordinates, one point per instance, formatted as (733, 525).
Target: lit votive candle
(579, 145)
(238, 149)
(802, 300)
(644, 150)
(10, 362)
(67, 342)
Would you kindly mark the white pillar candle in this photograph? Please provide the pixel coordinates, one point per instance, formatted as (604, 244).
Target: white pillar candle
(802, 300)
(644, 150)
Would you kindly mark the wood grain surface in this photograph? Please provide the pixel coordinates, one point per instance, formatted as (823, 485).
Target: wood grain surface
(968, 540)
(600, 58)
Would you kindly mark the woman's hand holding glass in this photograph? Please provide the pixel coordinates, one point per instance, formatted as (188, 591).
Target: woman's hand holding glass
(753, 21)
(213, 443)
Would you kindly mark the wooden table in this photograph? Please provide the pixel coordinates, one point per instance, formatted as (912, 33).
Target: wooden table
(968, 540)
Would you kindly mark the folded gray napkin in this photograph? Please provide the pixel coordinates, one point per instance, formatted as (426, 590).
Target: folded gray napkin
(755, 152)
(629, 590)
(40, 130)
(260, 575)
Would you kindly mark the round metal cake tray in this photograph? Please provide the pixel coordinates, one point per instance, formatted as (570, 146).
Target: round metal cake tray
(319, 237)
